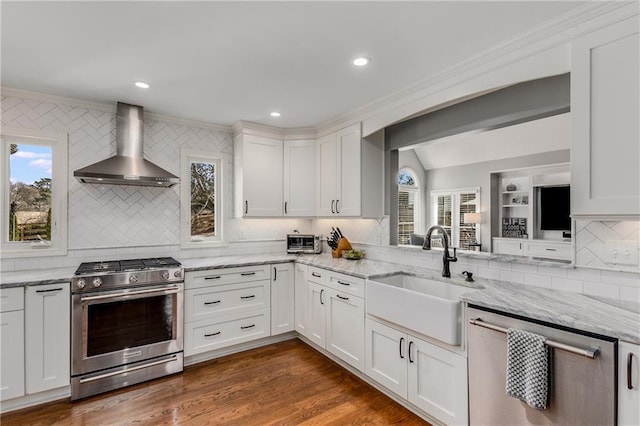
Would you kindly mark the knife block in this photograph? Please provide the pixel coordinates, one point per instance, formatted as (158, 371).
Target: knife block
(343, 244)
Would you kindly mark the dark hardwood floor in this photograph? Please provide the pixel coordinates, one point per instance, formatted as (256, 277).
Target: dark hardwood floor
(286, 383)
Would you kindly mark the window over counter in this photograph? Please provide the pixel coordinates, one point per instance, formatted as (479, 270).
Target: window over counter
(448, 209)
(408, 206)
(34, 192)
(201, 221)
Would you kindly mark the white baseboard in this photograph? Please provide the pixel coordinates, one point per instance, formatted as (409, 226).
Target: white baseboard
(35, 399)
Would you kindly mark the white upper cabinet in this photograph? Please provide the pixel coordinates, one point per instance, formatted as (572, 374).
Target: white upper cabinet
(605, 178)
(258, 167)
(300, 178)
(350, 174)
(274, 177)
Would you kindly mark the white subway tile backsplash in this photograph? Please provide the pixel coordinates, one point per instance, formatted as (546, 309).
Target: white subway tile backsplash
(511, 276)
(494, 264)
(621, 278)
(584, 274)
(488, 273)
(479, 262)
(521, 267)
(553, 272)
(631, 294)
(565, 284)
(537, 280)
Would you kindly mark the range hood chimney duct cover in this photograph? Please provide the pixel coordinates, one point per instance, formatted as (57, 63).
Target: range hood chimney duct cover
(127, 167)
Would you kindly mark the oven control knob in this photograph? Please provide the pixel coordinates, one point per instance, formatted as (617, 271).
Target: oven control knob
(165, 275)
(133, 278)
(81, 283)
(97, 282)
(177, 274)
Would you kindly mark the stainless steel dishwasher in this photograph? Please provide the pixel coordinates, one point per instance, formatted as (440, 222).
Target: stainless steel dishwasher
(582, 379)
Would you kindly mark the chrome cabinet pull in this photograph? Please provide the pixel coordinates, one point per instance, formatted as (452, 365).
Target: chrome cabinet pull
(343, 283)
(50, 290)
(216, 277)
(321, 301)
(212, 303)
(341, 297)
(400, 347)
(629, 368)
(212, 334)
(586, 352)
(410, 359)
(245, 327)
(247, 297)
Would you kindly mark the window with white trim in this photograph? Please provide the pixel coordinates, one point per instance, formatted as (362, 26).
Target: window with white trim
(408, 205)
(448, 208)
(201, 199)
(34, 192)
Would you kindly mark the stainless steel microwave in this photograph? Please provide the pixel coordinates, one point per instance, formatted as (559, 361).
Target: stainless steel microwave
(304, 243)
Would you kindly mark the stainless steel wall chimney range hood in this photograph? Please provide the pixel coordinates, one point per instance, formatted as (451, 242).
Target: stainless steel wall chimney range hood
(127, 167)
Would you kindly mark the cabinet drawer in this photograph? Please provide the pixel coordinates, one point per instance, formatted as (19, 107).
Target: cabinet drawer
(318, 275)
(205, 302)
(11, 299)
(203, 336)
(214, 277)
(551, 250)
(346, 284)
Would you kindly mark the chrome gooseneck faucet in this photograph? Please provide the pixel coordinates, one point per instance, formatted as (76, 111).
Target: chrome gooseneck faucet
(446, 272)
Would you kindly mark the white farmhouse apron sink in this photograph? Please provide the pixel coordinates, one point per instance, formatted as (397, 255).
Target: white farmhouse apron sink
(428, 307)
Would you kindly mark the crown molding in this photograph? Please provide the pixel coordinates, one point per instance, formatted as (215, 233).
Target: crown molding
(550, 34)
(265, 130)
(109, 108)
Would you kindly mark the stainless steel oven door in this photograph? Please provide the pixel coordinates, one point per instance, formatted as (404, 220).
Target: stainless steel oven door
(119, 327)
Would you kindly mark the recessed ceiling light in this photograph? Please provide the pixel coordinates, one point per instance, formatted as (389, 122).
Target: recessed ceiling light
(142, 84)
(361, 62)
(275, 114)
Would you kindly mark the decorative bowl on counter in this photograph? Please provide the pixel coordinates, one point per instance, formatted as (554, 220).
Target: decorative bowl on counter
(353, 254)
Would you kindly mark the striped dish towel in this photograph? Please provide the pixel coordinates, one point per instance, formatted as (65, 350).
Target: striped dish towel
(527, 368)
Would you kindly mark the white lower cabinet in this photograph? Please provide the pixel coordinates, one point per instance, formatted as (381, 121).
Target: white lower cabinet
(628, 384)
(12, 341)
(336, 318)
(431, 378)
(224, 307)
(301, 294)
(282, 298)
(48, 334)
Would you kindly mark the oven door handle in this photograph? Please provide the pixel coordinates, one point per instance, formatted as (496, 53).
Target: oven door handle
(163, 291)
(128, 370)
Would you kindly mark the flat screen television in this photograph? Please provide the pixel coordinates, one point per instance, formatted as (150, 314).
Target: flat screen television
(555, 208)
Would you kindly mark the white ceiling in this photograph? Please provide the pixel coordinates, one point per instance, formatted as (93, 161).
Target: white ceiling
(533, 137)
(221, 62)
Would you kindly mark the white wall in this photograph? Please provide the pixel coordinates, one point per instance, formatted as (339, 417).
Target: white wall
(112, 221)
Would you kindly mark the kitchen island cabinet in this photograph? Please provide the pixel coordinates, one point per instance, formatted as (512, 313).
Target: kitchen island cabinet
(12, 340)
(628, 384)
(48, 333)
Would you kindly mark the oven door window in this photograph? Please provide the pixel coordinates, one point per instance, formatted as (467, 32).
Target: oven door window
(119, 325)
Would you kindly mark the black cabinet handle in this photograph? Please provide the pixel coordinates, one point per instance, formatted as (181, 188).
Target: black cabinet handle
(247, 274)
(629, 368)
(212, 303)
(410, 359)
(337, 209)
(244, 327)
(275, 274)
(316, 275)
(550, 249)
(341, 297)
(50, 290)
(400, 347)
(321, 301)
(247, 297)
(217, 277)
(343, 283)
(333, 202)
(212, 334)
(246, 206)
(285, 207)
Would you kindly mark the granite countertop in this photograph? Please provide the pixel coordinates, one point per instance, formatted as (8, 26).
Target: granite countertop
(608, 317)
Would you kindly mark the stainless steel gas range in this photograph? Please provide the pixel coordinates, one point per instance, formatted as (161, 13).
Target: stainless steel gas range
(126, 325)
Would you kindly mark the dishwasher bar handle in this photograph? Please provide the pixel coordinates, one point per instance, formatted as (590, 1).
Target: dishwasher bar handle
(587, 352)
